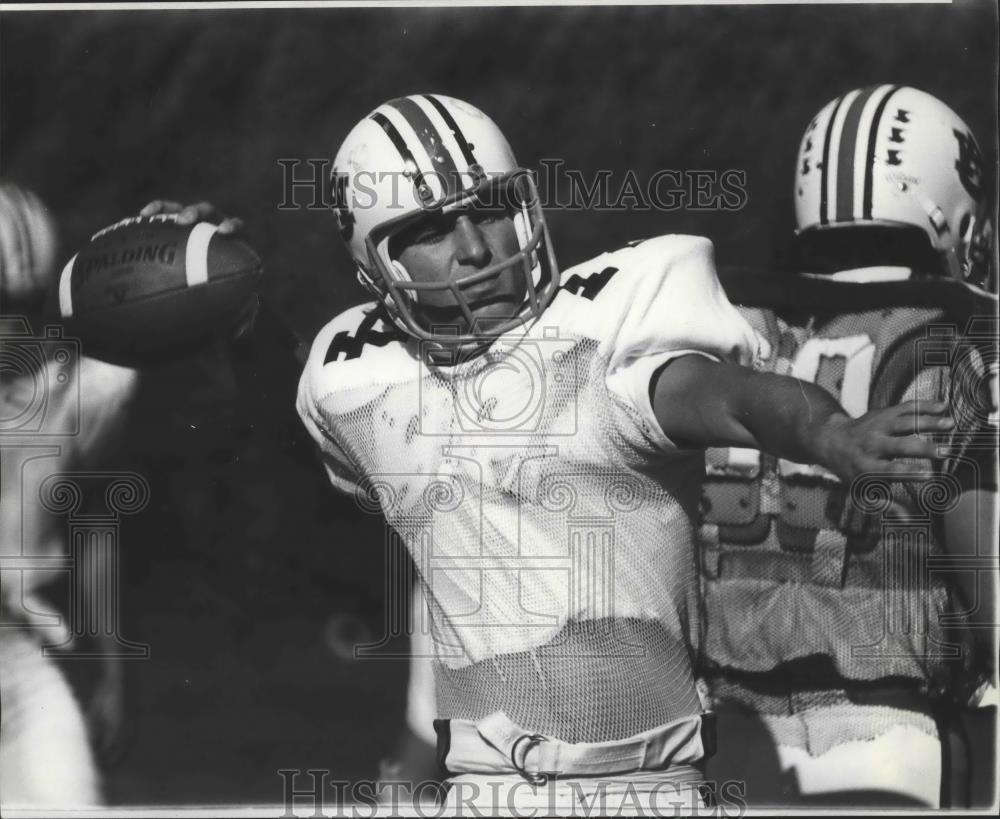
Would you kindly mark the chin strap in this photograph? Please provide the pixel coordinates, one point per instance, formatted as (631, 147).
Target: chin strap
(388, 304)
(400, 273)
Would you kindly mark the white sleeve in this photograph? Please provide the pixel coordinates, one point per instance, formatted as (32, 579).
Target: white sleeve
(339, 468)
(333, 391)
(672, 305)
(106, 391)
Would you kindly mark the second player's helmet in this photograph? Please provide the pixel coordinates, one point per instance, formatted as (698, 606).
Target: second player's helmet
(426, 154)
(901, 166)
(27, 243)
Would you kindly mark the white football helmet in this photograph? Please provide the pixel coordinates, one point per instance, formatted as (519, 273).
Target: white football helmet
(425, 154)
(903, 166)
(27, 243)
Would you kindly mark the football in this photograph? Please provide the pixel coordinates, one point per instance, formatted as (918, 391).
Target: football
(147, 290)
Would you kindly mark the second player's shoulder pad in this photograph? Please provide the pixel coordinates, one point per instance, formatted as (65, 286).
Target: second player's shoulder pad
(355, 356)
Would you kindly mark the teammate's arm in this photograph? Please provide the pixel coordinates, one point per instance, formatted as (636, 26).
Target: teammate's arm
(699, 402)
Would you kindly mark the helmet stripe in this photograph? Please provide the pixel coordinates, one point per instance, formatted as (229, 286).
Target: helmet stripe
(823, 218)
(866, 206)
(66, 289)
(21, 217)
(400, 145)
(441, 159)
(846, 154)
(861, 149)
(464, 144)
(6, 244)
(450, 140)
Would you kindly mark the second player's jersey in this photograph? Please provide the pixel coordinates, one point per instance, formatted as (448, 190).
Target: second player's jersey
(801, 569)
(549, 516)
(75, 406)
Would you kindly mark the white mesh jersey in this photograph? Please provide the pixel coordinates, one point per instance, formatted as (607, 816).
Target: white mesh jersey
(548, 514)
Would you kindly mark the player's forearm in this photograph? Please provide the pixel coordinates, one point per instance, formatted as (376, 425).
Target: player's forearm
(789, 418)
(702, 403)
(706, 404)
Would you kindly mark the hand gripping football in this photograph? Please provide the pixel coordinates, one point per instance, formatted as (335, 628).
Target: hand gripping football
(147, 290)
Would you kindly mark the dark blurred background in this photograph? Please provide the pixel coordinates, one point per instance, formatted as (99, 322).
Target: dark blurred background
(244, 553)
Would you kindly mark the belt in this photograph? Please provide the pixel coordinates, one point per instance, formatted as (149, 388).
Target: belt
(495, 745)
(892, 696)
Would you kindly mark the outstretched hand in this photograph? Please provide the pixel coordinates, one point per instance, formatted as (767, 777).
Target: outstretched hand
(886, 441)
(191, 214)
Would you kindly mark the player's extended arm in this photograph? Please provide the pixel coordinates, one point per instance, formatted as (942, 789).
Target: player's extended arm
(703, 403)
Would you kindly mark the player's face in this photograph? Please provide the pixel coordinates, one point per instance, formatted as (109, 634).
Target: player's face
(449, 247)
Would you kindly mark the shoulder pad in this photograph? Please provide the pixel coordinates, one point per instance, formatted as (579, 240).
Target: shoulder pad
(589, 278)
(660, 295)
(354, 357)
(356, 332)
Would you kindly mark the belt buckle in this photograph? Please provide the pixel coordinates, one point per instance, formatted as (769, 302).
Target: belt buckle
(530, 740)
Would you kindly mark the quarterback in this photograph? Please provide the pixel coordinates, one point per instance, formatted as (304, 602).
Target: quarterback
(824, 622)
(537, 441)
